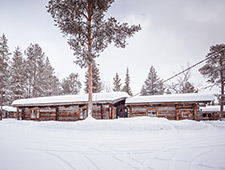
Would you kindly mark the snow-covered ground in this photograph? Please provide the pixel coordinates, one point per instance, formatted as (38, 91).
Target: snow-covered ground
(124, 144)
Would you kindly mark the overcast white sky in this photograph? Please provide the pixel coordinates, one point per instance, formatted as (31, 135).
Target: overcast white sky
(173, 34)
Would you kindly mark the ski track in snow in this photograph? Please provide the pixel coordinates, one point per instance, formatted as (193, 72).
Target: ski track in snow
(100, 150)
(63, 162)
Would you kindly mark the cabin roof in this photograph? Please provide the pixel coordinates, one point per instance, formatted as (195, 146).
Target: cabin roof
(174, 98)
(9, 108)
(212, 108)
(71, 99)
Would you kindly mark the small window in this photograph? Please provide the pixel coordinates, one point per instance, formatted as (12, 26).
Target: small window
(83, 113)
(34, 114)
(186, 114)
(152, 113)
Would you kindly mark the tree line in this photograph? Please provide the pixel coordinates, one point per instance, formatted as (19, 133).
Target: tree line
(30, 74)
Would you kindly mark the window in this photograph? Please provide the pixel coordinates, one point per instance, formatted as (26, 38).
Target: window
(34, 114)
(186, 114)
(152, 112)
(83, 113)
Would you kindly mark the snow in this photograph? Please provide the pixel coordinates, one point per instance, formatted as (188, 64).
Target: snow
(122, 144)
(194, 97)
(97, 97)
(212, 108)
(9, 108)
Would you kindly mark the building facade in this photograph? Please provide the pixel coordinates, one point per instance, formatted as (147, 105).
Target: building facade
(70, 107)
(172, 107)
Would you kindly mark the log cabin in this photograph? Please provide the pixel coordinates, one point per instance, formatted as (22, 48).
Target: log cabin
(172, 107)
(70, 107)
(9, 112)
(211, 112)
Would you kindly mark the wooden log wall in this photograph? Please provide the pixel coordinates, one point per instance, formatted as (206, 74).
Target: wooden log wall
(26, 114)
(101, 111)
(163, 111)
(70, 113)
(47, 114)
(169, 111)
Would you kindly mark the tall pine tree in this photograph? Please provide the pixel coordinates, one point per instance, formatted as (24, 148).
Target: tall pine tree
(117, 83)
(71, 84)
(35, 67)
(153, 84)
(51, 85)
(88, 32)
(214, 70)
(96, 80)
(4, 57)
(17, 76)
(126, 87)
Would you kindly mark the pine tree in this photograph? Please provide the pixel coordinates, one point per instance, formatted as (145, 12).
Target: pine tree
(88, 32)
(17, 76)
(34, 68)
(126, 87)
(71, 84)
(117, 83)
(153, 85)
(188, 88)
(214, 70)
(96, 80)
(51, 85)
(4, 58)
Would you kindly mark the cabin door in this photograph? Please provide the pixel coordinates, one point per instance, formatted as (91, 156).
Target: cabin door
(121, 111)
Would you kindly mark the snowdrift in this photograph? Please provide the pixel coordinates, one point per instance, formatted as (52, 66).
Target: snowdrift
(121, 124)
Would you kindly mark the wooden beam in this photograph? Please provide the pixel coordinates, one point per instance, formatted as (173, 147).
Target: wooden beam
(130, 115)
(195, 112)
(177, 112)
(57, 113)
(102, 111)
(18, 113)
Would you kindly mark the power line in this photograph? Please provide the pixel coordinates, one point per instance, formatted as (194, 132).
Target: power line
(193, 66)
(209, 56)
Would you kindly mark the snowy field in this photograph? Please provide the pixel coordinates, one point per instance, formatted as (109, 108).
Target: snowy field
(124, 144)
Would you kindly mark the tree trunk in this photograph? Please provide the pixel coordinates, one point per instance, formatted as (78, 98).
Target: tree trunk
(89, 19)
(222, 77)
(89, 89)
(222, 100)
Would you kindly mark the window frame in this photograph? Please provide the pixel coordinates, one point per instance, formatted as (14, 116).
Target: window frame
(83, 117)
(37, 114)
(188, 112)
(154, 110)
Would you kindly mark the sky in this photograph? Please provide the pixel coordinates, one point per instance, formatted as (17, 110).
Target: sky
(174, 34)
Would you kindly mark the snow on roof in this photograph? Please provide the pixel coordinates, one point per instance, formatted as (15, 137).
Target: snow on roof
(213, 108)
(188, 97)
(66, 99)
(9, 108)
